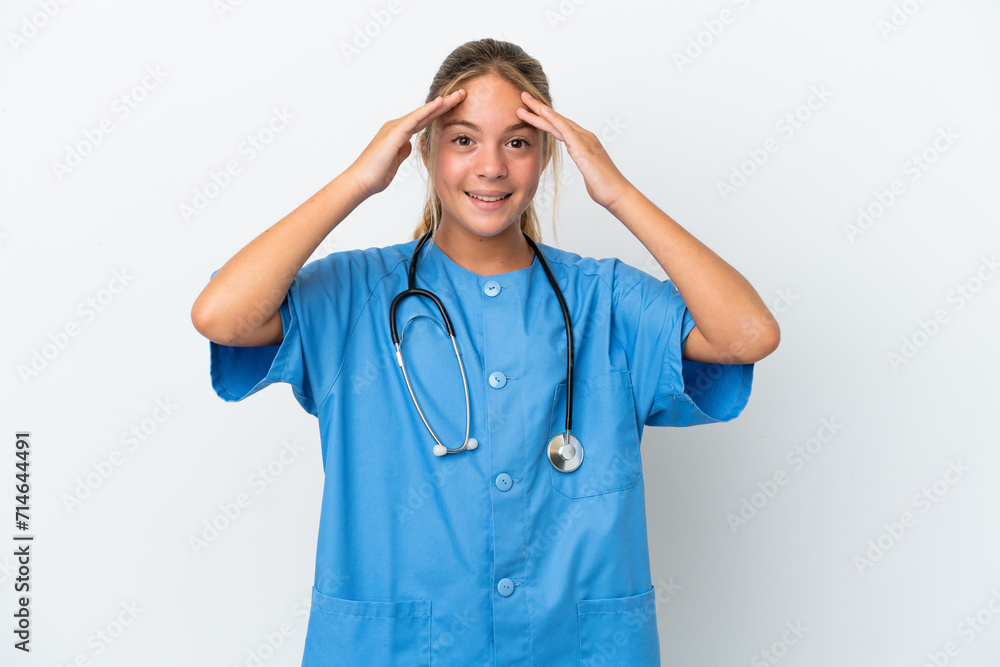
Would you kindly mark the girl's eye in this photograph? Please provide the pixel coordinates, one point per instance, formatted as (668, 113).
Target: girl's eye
(465, 141)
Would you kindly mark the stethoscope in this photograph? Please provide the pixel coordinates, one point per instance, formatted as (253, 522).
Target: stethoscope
(564, 451)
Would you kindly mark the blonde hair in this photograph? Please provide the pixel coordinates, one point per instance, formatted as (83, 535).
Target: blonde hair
(510, 62)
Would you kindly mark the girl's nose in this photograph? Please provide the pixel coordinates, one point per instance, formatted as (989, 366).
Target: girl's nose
(490, 163)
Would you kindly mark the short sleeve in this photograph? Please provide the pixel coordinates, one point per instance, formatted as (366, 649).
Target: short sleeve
(653, 323)
(238, 372)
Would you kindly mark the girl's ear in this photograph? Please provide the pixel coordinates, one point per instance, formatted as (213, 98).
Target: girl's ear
(424, 149)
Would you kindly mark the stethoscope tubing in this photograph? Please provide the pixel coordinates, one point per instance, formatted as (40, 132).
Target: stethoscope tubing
(412, 290)
(465, 386)
(569, 335)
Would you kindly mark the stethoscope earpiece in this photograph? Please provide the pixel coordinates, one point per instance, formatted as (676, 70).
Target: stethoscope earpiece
(441, 450)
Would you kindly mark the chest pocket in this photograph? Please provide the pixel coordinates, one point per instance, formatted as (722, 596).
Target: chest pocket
(604, 423)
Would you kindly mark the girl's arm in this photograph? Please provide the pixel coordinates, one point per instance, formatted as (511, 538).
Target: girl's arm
(732, 324)
(239, 306)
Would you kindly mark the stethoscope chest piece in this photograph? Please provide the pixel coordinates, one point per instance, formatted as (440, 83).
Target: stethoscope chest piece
(565, 456)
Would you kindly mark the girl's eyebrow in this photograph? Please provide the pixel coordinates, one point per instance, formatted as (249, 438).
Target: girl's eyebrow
(469, 124)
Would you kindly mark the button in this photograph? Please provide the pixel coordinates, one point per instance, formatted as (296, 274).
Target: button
(505, 587)
(504, 482)
(492, 288)
(498, 380)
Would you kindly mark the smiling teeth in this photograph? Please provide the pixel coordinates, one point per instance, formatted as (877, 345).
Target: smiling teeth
(487, 198)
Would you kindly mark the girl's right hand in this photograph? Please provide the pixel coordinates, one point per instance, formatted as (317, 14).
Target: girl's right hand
(376, 166)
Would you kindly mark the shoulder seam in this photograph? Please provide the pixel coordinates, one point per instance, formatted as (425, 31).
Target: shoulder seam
(576, 265)
(611, 290)
(354, 325)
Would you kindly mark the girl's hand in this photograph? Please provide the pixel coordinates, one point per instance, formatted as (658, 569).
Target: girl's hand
(605, 184)
(375, 168)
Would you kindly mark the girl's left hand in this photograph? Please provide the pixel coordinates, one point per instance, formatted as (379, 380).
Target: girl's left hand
(605, 184)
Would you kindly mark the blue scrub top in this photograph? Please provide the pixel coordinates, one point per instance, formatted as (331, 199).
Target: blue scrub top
(490, 556)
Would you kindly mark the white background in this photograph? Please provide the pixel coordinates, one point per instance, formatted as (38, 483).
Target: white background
(846, 302)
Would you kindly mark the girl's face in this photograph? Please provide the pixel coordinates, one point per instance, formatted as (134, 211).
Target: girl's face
(484, 151)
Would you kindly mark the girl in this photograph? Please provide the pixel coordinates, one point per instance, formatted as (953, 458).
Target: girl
(522, 541)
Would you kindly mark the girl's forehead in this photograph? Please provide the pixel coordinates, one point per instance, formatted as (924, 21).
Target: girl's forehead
(489, 99)
(488, 84)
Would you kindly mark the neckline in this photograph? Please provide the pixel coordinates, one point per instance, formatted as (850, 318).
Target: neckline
(443, 257)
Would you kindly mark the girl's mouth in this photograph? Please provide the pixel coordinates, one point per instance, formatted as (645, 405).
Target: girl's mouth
(485, 203)
(488, 199)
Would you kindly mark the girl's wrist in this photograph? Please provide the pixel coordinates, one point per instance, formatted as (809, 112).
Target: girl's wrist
(349, 181)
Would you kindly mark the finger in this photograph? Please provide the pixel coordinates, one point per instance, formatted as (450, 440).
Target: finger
(540, 123)
(401, 154)
(534, 103)
(425, 115)
(555, 123)
(555, 118)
